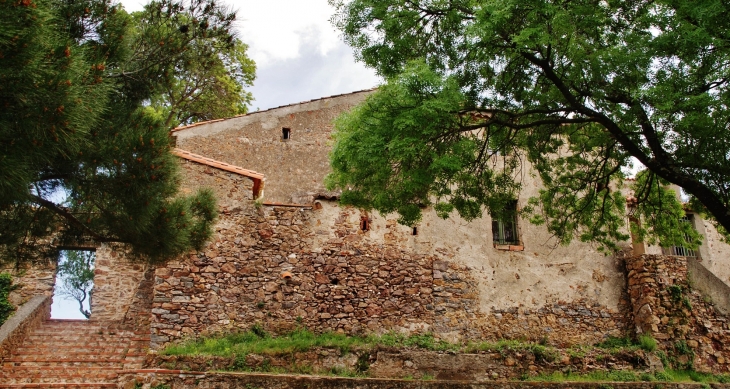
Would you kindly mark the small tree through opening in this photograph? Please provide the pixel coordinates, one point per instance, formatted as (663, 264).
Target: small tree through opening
(74, 284)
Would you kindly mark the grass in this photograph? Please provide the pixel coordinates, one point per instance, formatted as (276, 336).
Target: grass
(257, 341)
(631, 376)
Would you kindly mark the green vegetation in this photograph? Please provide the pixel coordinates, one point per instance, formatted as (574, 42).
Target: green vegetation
(613, 344)
(631, 376)
(89, 94)
(476, 91)
(258, 341)
(647, 342)
(6, 286)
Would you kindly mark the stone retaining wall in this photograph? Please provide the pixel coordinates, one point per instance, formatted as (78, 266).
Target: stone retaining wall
(185, 380)
(686, 324)
(26, 318)
(276, 267)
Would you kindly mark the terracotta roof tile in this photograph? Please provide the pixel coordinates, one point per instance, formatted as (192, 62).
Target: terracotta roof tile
(217, 164)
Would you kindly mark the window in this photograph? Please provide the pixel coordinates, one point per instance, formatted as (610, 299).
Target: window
(681, 251)
(364, 223)
(285, 133)
(504, 225)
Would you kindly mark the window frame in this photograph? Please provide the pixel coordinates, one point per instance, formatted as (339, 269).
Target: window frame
(500, 231)
(681, 251)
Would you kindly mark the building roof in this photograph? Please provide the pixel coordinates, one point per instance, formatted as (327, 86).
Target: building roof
(257, 178)
(268, 110)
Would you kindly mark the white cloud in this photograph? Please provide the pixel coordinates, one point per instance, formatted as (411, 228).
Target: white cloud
(310, 74)
(273, 29)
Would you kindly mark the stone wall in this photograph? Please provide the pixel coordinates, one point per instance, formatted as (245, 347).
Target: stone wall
(33, 279)
(221, 380)
(116, 282)
(283, 267)
(254, 142)
(686, 324)
(24, 321)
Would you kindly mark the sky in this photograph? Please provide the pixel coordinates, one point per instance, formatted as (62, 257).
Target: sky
(298, 53)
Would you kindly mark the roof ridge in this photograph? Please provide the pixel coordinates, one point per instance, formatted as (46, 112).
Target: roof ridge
(185, 127)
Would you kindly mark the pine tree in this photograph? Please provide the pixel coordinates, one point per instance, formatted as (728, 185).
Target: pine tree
(82, 155)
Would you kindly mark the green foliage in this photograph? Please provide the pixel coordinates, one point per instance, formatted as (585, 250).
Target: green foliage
(664, 358)
(210, 86)
(76, 273)
(477, 92)
(84, 119)
(258, 341)
(612, 342)
(647, 342)
(662, 213)
(6, 286)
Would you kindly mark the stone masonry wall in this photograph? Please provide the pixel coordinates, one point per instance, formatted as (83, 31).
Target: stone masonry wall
(254, 142)
(116, 282)
(277, 267)
(34, 279)
(685, 323)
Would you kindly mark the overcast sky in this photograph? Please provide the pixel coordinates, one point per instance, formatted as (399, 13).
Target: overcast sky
(299, 55)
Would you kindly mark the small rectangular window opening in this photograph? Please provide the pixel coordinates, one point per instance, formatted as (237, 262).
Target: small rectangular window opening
(415, 230)
(504, 225)
(285, 133)
(364, 224)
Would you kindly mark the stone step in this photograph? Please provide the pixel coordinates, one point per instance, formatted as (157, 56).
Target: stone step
(58, 374)
(74, 354)
(97, 385)
(60, 344)
(63, 361)
(71, 364)
(93, 335)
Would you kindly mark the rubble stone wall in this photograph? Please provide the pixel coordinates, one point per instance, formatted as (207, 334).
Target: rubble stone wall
(33, 279)
(254, 142)
(684, 322)
(116, 282)
(283, 267)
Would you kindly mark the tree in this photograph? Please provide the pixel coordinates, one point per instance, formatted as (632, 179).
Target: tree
(82, 153)
(76, 273)
(211, 87)
(479, 90)
(6, 286)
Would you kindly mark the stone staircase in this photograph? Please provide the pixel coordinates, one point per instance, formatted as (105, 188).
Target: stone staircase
(74, 354)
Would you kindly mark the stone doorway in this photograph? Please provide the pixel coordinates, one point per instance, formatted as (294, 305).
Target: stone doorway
(74, 284)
